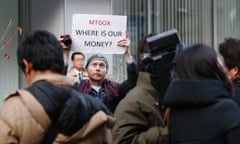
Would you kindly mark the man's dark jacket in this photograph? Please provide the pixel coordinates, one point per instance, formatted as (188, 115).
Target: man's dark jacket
(112, 92)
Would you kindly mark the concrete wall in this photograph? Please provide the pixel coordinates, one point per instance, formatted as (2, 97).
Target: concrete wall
(8, 68)
(47, 15)
(51, 15)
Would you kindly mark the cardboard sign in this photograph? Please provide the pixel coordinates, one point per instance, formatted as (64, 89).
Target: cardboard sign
(98, 33)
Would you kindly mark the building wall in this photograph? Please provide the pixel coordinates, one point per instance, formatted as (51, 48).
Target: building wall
(47, 15)
(84, 7)
(53, 16)
(8, 68)
(87, 7)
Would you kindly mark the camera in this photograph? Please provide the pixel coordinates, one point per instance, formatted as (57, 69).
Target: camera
(163, 44)
(161, 59)
(66, 39)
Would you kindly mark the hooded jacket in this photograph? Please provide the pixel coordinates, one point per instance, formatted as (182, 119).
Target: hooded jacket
(202, 112)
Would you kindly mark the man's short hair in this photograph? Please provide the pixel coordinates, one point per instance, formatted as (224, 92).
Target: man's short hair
(43, 50)
(77, 53)
(230, 51)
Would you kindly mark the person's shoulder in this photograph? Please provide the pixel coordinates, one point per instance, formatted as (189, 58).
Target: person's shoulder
(133, 96)
(229, 113)
(14, 105)
(228, 108)
(110, 82)
(71, 72)
(227, 103)
(136, 92)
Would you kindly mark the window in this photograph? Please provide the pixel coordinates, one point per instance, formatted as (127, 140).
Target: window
(197, 21)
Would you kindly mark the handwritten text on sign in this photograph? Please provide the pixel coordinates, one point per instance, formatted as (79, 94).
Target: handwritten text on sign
(98, 33)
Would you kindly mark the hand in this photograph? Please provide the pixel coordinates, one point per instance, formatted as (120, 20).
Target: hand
(125, 43)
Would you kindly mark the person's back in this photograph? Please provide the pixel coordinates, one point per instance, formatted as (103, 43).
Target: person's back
(202, 110)
(138, 115)
(48, 107)
(69, 111)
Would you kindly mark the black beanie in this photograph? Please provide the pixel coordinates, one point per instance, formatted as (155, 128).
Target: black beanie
(97, 57)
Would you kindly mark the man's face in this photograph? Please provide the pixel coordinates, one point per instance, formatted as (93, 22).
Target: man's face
(78, 61)
(97, 70)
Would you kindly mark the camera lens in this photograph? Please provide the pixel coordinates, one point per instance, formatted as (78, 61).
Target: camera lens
(67, 41)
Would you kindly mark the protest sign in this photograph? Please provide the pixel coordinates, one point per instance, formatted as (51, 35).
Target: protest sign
(98, 33)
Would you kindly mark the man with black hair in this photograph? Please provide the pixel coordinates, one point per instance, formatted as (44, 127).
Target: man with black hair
(49, 110)
(230, 51)
(77, 72)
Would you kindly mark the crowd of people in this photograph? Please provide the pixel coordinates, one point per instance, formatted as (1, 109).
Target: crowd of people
(78, 104)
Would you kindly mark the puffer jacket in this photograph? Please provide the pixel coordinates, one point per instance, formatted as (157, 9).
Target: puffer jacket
(26, 118)
(202, 112)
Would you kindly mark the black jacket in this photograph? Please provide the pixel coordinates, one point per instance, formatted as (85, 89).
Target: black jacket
(236, 91)
(202, 112)
(68, 109)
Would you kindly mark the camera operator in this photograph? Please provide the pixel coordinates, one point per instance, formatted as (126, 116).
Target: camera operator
(138, 117)
(66, 43)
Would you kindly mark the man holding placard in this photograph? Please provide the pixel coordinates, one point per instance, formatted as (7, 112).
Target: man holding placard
(103, 89)
(103, 34)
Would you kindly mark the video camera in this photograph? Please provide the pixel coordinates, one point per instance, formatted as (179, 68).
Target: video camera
(161, 59)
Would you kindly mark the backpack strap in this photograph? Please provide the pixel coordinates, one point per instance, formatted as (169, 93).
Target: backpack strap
(34, 107)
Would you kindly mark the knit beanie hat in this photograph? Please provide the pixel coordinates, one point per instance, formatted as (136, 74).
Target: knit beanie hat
(97, 57)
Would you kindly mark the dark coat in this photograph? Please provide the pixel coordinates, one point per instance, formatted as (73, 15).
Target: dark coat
(202, 112)
(236, 91)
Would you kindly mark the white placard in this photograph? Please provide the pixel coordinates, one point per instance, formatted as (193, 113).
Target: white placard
(98, 33)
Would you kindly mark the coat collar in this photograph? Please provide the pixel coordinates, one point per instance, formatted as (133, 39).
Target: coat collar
(55, 79)
(194, 93)
(144, 82)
